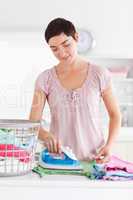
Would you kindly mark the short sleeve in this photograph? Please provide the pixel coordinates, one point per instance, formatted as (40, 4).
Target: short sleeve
(105, 78)
(42, 82)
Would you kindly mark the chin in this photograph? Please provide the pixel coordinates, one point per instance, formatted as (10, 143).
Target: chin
(71, 59)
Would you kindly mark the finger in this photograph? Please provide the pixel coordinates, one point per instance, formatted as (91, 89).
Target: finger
(59, 146)
(105, 159)
(55, 149)
(99, 155)
(46, 144)
(51, 147)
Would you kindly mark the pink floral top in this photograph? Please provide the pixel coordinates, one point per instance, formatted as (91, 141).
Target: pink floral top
(75, 114)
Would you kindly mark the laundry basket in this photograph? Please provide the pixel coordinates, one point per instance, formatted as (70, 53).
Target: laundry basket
(18, 139)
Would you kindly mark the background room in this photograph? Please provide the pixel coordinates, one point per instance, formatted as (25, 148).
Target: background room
(24, 53)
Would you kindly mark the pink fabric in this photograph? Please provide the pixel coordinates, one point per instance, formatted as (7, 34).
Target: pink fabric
(11, 150)
(116, 163)
(75, 114)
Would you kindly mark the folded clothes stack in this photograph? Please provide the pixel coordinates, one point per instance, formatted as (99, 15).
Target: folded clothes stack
(115, 169)
(118, 169)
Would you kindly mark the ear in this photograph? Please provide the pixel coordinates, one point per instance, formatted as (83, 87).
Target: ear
(76, 37)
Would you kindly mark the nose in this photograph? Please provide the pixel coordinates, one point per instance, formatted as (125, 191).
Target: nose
(62, 53)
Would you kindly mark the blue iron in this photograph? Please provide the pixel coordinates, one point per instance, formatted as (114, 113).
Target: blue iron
(65, 160)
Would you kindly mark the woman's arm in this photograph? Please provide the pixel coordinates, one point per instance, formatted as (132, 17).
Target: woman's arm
(37, 107)
(112, 107)
(39, 100)
(114, 113)
(38, 103)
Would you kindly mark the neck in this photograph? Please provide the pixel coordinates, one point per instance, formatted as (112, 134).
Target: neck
(77, 62)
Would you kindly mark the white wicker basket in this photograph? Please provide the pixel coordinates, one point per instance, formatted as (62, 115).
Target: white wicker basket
(18, 139)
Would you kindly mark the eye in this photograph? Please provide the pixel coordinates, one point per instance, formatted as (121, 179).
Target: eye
(54, 50)
(67, 45)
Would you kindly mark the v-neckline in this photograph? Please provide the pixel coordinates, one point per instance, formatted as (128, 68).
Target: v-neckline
(76, 89)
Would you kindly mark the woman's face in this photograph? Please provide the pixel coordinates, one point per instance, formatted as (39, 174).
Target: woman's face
(64, 47)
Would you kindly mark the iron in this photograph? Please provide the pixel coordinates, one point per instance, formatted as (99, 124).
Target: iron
(66, 160)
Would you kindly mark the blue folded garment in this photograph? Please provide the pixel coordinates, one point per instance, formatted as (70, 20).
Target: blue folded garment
(119, 173)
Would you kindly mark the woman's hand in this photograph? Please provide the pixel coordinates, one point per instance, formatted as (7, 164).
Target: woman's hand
(103, 155)
(53, 145)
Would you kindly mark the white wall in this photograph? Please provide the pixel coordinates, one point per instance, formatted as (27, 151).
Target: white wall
(24, 53)
(109, 20)
(23, 57)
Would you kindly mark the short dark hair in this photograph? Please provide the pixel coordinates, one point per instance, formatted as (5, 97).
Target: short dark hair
(58, 26)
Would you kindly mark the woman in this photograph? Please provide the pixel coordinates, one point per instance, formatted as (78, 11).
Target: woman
(74, 89)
